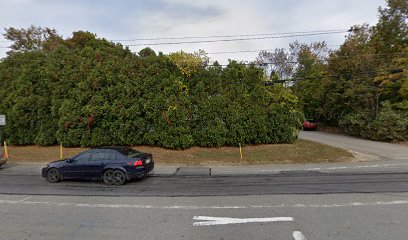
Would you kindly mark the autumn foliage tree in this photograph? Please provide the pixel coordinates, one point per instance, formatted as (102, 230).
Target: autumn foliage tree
(362, 86)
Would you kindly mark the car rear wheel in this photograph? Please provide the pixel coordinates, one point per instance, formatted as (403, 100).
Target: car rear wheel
(53, 175)
(120, 177)
(114, 177)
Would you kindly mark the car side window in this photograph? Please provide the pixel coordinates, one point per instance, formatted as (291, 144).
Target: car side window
(83, 157)
(110, 156)
(98, 156)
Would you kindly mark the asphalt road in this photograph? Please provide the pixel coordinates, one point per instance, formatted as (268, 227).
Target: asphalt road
(284, 205)
(286, 217)
(294, 182)
(341, 201)
(386, 151)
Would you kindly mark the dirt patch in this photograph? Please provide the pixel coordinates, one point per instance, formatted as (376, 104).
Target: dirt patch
(404, 143)
(302, 151)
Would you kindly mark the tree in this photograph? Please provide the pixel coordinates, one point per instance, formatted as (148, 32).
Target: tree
(189, 63)
(32, 38)
(279, 63)
(367, 77)
(390, 40)
(304, 73)
(146, 52)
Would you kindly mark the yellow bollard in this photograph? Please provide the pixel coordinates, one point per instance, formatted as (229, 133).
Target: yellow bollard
(61, 151)
(5, 150)
(240, 150)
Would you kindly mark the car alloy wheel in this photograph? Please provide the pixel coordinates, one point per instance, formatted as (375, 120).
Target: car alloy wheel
(108, 177)
(53, 175)
(119, 177)
(114, 177)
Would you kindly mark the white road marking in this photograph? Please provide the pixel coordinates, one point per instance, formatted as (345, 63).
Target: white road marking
(192, 207)
(211, 221)
(24, 199)
(297, 235)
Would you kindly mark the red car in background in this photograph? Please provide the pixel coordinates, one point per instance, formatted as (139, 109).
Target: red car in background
(309, 124)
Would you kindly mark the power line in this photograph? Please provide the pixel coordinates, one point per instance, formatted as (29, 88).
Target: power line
(242, 51)
(234, 39)
(223, 36)
(259, 50)
(323, 60)
(220, 36)
(248, 37)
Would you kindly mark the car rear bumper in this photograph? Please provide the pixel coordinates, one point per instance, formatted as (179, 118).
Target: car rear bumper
(309, 127)
(140, 171)
(149, 167)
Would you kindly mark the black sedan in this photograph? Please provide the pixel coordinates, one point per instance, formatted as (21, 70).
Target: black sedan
(113, 165)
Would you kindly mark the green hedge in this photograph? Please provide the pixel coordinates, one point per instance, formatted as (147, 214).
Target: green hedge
(96, 93)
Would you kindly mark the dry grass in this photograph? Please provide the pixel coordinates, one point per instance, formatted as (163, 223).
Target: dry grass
(300, 152)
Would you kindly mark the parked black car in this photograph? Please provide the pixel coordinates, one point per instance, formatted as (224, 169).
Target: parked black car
(113, 165)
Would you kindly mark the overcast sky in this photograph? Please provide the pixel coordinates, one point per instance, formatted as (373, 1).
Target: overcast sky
(130, 19)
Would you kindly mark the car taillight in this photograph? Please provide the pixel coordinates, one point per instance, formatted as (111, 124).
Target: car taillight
(138, 163)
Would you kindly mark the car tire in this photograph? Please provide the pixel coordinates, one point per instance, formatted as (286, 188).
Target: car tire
(114, 177)
(53, 175)
(120, 177)
(108, 177)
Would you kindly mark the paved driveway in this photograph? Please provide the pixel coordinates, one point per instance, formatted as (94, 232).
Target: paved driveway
(386, 151)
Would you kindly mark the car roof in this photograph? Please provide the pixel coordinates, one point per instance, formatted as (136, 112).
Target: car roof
(111, 147)
(120, 149)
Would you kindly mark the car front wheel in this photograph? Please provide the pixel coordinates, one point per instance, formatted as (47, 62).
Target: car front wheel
(53, 175)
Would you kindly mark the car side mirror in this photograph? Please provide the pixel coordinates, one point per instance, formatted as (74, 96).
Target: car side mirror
(70, 160)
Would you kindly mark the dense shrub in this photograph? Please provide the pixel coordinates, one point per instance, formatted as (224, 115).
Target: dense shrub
(388, 125)
(90, 92)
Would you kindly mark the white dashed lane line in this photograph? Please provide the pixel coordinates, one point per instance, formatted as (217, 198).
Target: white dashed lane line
(297, 235)
(211, 221)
